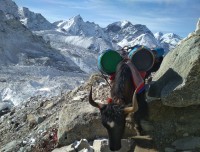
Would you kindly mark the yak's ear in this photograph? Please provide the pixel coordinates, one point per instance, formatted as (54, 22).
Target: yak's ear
(92, 102)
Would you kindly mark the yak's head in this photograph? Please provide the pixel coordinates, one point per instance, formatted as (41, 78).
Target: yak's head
(113, 119)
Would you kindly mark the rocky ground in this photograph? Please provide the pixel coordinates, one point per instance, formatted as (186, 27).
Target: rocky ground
(33, 126)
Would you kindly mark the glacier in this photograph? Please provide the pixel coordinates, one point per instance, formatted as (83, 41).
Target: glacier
(31, 67)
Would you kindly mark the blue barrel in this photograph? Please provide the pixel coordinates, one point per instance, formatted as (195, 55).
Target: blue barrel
(159, 52)
(108, 61)
(142, 57)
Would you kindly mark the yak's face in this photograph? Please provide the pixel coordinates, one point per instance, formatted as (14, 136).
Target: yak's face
(113, 119)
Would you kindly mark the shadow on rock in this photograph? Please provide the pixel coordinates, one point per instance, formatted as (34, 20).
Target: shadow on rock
(165, 84)
(143, 143)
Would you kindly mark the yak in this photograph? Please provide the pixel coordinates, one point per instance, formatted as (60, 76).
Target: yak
(125, 100)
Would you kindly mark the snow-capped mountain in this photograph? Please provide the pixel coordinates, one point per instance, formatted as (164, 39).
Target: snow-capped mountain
(80, 40)
(20, 46)
(34, 21)
(168, 41)
(67, 43)
(125, 33)
(85, 34)
(88, 35)
(158, 35)
(76, 26)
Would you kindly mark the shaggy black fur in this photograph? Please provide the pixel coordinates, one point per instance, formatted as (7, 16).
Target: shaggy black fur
(122, 91)
(113, 112)
(123, 87)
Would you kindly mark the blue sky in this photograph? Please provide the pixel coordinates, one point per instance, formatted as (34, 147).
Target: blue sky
(177, 16)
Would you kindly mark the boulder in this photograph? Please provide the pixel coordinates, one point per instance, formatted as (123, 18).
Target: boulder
(69, 148)
(101, 145)
(80, 146)
(187, 143)
(83, 145)
(171, 123)
(5, 107)
(32, 120)
(178, 79)
(79, 120)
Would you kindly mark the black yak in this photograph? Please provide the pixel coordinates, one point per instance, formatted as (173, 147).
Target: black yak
(124, 101)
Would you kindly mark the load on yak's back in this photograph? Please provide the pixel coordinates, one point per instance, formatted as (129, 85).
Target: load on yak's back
(141, 57)
(127, 69)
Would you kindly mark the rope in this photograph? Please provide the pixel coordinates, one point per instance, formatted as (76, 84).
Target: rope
(105, 78)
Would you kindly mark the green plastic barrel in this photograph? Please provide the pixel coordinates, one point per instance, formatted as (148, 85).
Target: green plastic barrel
(108, 61)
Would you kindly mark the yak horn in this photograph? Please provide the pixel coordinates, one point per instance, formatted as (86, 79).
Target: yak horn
(134, 107)
(92, 102)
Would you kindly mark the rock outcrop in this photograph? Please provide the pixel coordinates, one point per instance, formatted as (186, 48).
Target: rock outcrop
(78, 120)
(178, 79)
(176, 118)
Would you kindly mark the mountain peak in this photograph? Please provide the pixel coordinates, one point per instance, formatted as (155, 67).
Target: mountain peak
(9, 8)
(34, 21)
(77, 27)
(171, 35)
(77, 18)
(125, 23)
(158, 35)
(121, 24)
